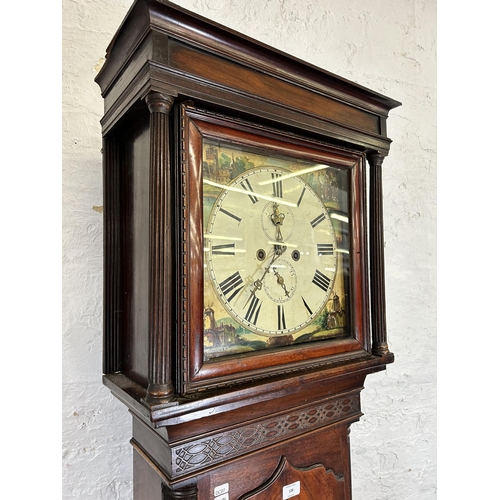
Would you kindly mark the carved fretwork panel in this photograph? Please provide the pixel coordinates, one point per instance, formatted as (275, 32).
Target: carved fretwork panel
(217, 448)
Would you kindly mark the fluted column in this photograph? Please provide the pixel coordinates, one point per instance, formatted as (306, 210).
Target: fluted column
(113, 276)
(160, 386)
(377, 266)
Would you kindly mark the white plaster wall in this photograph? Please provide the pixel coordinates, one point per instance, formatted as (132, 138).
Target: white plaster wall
(386, 45)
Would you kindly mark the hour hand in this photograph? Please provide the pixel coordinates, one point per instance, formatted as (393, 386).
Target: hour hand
(277, 219)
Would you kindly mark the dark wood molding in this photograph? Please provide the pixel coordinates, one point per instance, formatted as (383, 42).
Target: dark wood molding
(178, 24)
(164, 48)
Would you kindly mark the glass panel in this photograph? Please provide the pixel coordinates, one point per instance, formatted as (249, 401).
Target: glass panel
(276, 250)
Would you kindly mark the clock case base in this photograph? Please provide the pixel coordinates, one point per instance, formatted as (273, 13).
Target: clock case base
(277, 425)
(186, 449)
(200, 447)
(261, 475)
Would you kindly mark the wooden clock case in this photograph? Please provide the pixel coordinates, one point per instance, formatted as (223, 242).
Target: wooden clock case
(249, 427)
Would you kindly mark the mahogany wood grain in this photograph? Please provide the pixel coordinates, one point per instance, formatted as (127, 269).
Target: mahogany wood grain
(268, 88)
(308, 483)
(327, 448)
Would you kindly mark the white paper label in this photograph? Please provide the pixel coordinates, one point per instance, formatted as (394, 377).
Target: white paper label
(225, 496)
(220, 490)
(291, 490)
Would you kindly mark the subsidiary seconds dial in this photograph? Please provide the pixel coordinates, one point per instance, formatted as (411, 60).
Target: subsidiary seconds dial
(271, 251)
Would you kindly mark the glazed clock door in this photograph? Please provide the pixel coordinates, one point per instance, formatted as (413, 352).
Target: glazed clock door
(276, 242)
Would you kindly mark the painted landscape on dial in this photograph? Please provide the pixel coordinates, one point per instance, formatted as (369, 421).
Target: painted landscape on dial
(276, 247)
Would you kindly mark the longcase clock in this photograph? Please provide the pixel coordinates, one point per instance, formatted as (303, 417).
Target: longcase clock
(244, 299)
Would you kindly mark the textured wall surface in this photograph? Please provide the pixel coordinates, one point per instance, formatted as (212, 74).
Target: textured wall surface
(388, 46)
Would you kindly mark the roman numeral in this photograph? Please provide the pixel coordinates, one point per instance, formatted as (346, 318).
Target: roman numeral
(306, 306)
(325, 248)
(321, 280)
(281, 318)
(235, 217)
(253, 310)
(301, 196)
(230, 283)
(245, 184)
(227, 249)
(277, 186)
(317, 220)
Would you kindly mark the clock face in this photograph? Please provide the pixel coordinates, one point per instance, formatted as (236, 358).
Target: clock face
(273, 251)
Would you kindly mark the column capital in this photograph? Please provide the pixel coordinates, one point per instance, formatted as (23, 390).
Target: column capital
(159, 103)
(376, 159)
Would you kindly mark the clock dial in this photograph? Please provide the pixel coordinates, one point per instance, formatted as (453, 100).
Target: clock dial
(276, 258)
(271, 251)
